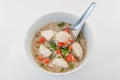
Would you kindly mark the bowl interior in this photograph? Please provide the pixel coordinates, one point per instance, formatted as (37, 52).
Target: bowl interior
(54, 17)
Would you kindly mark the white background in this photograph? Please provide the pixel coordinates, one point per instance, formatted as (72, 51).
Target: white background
(16, 16)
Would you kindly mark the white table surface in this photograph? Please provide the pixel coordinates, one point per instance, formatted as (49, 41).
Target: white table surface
(16, 16)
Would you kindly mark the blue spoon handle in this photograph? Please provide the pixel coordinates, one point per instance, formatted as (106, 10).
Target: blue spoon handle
(78, 25)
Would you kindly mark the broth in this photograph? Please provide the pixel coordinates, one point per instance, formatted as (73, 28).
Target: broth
(55, 50)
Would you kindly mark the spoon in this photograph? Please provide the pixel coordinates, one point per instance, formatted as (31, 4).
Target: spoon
(79, 24)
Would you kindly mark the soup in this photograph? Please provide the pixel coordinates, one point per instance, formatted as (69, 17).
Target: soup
(55, 50)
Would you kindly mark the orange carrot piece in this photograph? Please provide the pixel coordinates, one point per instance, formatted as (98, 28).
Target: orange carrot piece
(46, 60)
(40, 57)
(70, 55)
(71, 40)
(68, 58)
(58, 51)
(74, 59)
(60, 44)
(42, 40)
(64, 43)
(67, 30)
(70, 47)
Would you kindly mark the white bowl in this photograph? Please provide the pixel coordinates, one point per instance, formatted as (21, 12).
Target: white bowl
(52, 17)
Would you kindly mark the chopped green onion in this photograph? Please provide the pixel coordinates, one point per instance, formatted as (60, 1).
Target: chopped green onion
(51, 57)
(71, 65)
(78, 38)
(61, 24)
(41, 64)
(53, 45)
(64, 51)
(62, 69)
(59, 57)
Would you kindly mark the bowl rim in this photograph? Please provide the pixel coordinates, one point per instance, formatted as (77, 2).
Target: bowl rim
(64, 73)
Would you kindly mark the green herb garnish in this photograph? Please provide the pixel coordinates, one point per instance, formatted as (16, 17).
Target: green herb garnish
(61, 24)
(71, 65)
(78, 38)
(62, 69)
(59, 57)
(64, 51)
(41, 64)
(51, 57)
(53, 45)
